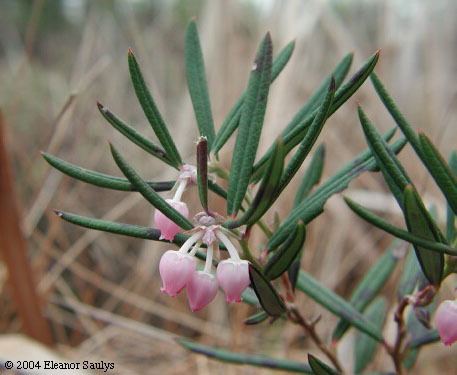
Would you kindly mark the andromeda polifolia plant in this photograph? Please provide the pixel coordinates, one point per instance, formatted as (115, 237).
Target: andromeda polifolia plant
(269, 279)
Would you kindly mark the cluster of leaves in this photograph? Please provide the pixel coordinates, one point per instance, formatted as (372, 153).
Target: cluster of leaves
(269, 176)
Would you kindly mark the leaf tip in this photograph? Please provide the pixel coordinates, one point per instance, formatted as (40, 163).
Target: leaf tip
(58, 213)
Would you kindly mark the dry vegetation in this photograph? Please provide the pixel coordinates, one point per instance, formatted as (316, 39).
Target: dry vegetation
(101, 292)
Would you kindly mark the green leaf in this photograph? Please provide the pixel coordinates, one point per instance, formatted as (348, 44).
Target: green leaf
(202, 171)
(411, 275)
(428, 338)
(266, 193)
(150, 110)
(393, 172)
(365, 347)
(257, 318)
(318, 367)
(296, 134)
(266, 293)
(370, 286)
(316, 99)
(420, 224)
(251, 123)
(312, 206)
(134, 136)
(119, 228)
(232, 120)
(285, 255)
(397, 232)
(440, 171)
(294, 270)
(337, 305)
(309, 139)
(245, 359)
(100, 179)
(312, 175)
(148, 193)
(451, 232)
(196, 81)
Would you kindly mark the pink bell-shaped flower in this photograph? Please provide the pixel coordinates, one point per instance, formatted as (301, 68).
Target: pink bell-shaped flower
(201, 290)
(233, 278)
(446, 322)
(168, 228)
(176, 269)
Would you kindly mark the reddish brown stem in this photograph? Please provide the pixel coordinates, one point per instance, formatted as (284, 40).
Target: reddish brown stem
(14, 251)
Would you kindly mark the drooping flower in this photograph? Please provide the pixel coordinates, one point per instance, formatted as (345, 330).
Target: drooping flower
(177, 267)
(232, 274)
(168, 228)
(201, 290)
(446, 322)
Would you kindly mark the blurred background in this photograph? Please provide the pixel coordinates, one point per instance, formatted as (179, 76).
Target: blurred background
(101, 292)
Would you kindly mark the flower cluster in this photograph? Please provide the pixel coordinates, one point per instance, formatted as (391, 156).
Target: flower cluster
(178, 268)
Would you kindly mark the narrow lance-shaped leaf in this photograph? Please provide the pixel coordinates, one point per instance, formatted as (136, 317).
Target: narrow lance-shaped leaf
(337, 305)
(257, 318)
(320, 368)
(419, 223)
(283, 257)
(251, 122)
(369, 287)
(151, 111)
(148, 193)
(313, 205)
(294, 137)
(312, 175)
(266, 193)
(196, 81)
(451, 233)
(440, 171)
(232, 120)
(397, 232)
(269, 299)
(100, 179)
(246, 359)
(411, 275)
(316, 99)
(133, 135)
(365, 347)
(309, 139)
(393, 172)
(202, 171)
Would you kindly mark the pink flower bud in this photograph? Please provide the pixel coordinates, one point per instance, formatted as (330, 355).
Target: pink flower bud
(176, 270)
(233, 277)
(201, 290)
(446, 322)
(168, 228)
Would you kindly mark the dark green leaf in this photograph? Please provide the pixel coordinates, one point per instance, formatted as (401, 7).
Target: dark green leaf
(150, 110)
(365, 347)
(245, 359)
(100, 179)
(202, 171)
(134, 136)
(371, 284)
(393, 172)
(257, 318)
(316, 99)
(309, 139)
(284, 256)
(397, 232)
(312, 175)
(119, 228)
(296, 134)
(313, 205)
(420, 224)
(451, 232)
(232, 120)
(294, 270)
(318, 367)
(440, 171)
(251, 122)
(266, 193)
(266, 293)
(196, 81)
(335, 304)
(148, 193)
